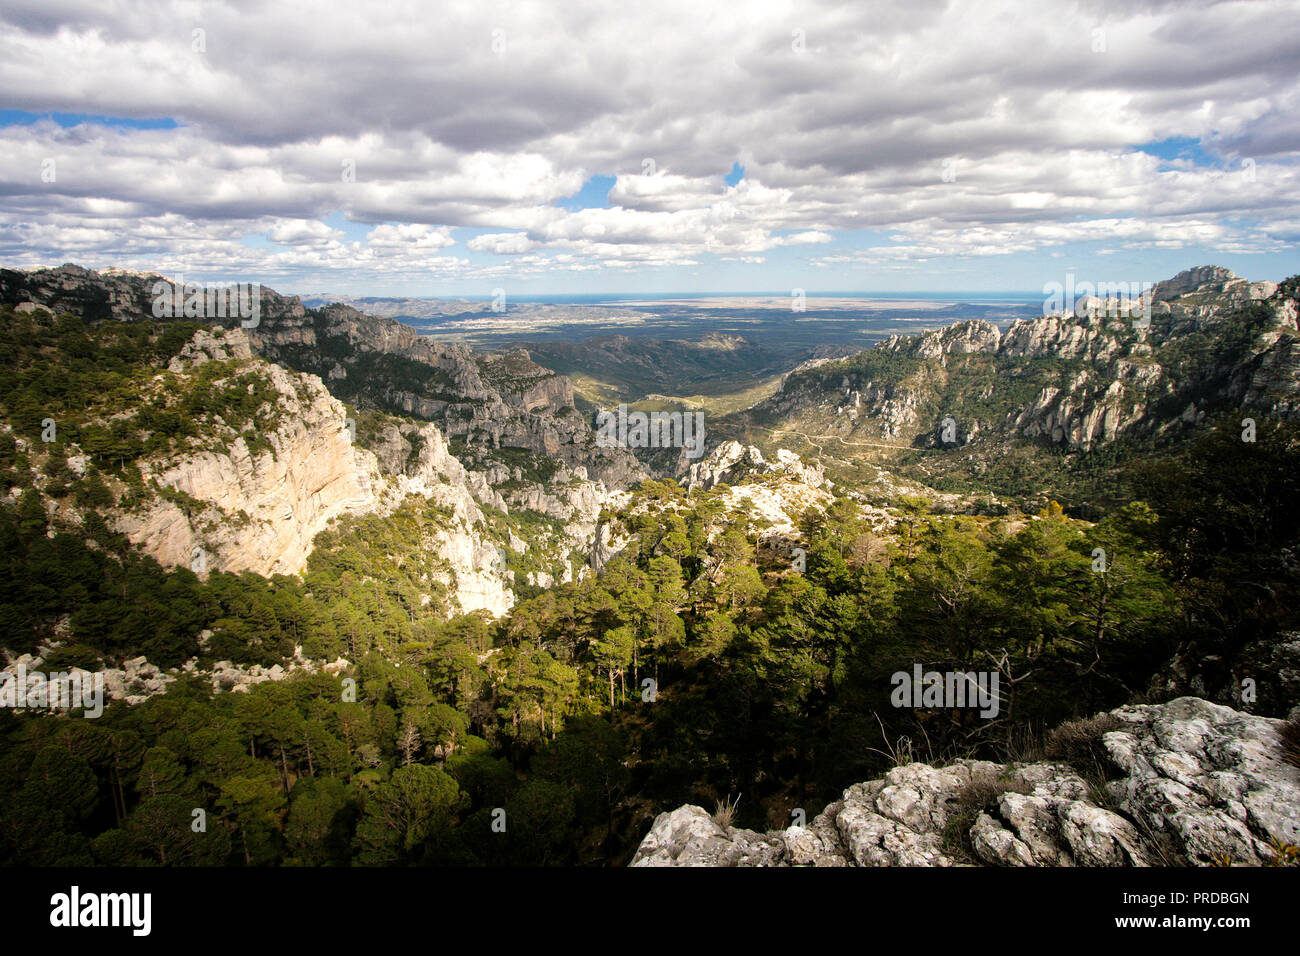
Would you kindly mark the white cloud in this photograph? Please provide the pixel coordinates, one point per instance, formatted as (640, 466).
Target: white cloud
(956, 129)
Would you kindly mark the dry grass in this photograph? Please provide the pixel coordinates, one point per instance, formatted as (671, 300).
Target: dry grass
(1289, 736)
(725, 813)
(981, 795)
(1078, 742)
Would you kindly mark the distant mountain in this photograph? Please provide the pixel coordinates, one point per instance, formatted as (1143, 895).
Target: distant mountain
(398, 308)
(964, 397)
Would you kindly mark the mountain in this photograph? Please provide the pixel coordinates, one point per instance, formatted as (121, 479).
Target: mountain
(496, 402)
(1040, 394)
(356, 593)
(512, 421)
(220, 460)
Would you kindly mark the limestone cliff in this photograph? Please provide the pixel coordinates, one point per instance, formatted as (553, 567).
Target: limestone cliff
(510, 420)
(1073, 379)
(220, 504)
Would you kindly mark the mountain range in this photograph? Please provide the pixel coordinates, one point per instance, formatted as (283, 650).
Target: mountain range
(330, 495)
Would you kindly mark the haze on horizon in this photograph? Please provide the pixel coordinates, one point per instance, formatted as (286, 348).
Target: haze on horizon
(549, 149)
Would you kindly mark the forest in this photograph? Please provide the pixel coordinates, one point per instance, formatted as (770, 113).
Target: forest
(697, 666)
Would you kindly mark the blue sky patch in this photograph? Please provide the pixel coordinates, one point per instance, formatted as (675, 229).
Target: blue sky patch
(594, 194)
(1179, 147)
(68, 120)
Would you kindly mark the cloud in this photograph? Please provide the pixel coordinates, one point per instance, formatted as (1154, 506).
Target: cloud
(956, 129)
(502, 243)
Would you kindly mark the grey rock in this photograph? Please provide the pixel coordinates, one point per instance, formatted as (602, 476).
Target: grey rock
(1198, 784)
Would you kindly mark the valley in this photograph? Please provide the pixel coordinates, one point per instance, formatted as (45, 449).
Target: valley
(492, 438)
(232, 524)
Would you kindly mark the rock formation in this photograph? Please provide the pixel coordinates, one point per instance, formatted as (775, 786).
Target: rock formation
(1190, 782)
(236, 507)
(1072, 378)
(730, 461)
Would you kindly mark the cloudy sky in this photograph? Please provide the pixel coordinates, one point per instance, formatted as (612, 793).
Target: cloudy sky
(450, 148)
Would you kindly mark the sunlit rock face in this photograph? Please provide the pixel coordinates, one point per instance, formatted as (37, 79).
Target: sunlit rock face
(1076, 377)
(234, 508)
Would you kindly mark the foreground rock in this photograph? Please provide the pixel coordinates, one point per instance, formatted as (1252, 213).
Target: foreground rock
(1191, 783)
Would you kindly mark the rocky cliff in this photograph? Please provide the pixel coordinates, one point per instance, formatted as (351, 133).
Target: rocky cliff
(237, 499)
(510, 420)
(1204, 341)
(504, 401)
(252, 511)
(1182, 783)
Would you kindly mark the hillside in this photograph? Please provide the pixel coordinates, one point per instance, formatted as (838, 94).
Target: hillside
(1023, 407)
(355, 594)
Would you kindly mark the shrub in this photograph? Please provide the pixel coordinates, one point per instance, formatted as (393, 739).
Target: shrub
(80, 656)
(725, 812)
(1079, 743)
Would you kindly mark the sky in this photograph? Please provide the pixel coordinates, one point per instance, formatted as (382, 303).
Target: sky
(456, 148)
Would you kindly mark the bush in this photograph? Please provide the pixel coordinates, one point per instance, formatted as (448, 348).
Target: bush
(93, 493)
(1079, 743)
(81, 656)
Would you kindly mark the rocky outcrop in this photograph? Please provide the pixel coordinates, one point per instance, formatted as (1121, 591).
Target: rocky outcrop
(1192, 783)
(137, 679)
(731, 461)
(963, 338)
(231, 507)
(727, 462)
(1198, 278)
(1077, 377)
(110, 294)
(524, 384)
(253, 509)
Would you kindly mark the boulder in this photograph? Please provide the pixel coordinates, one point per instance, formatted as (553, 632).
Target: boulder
(1195, 783)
